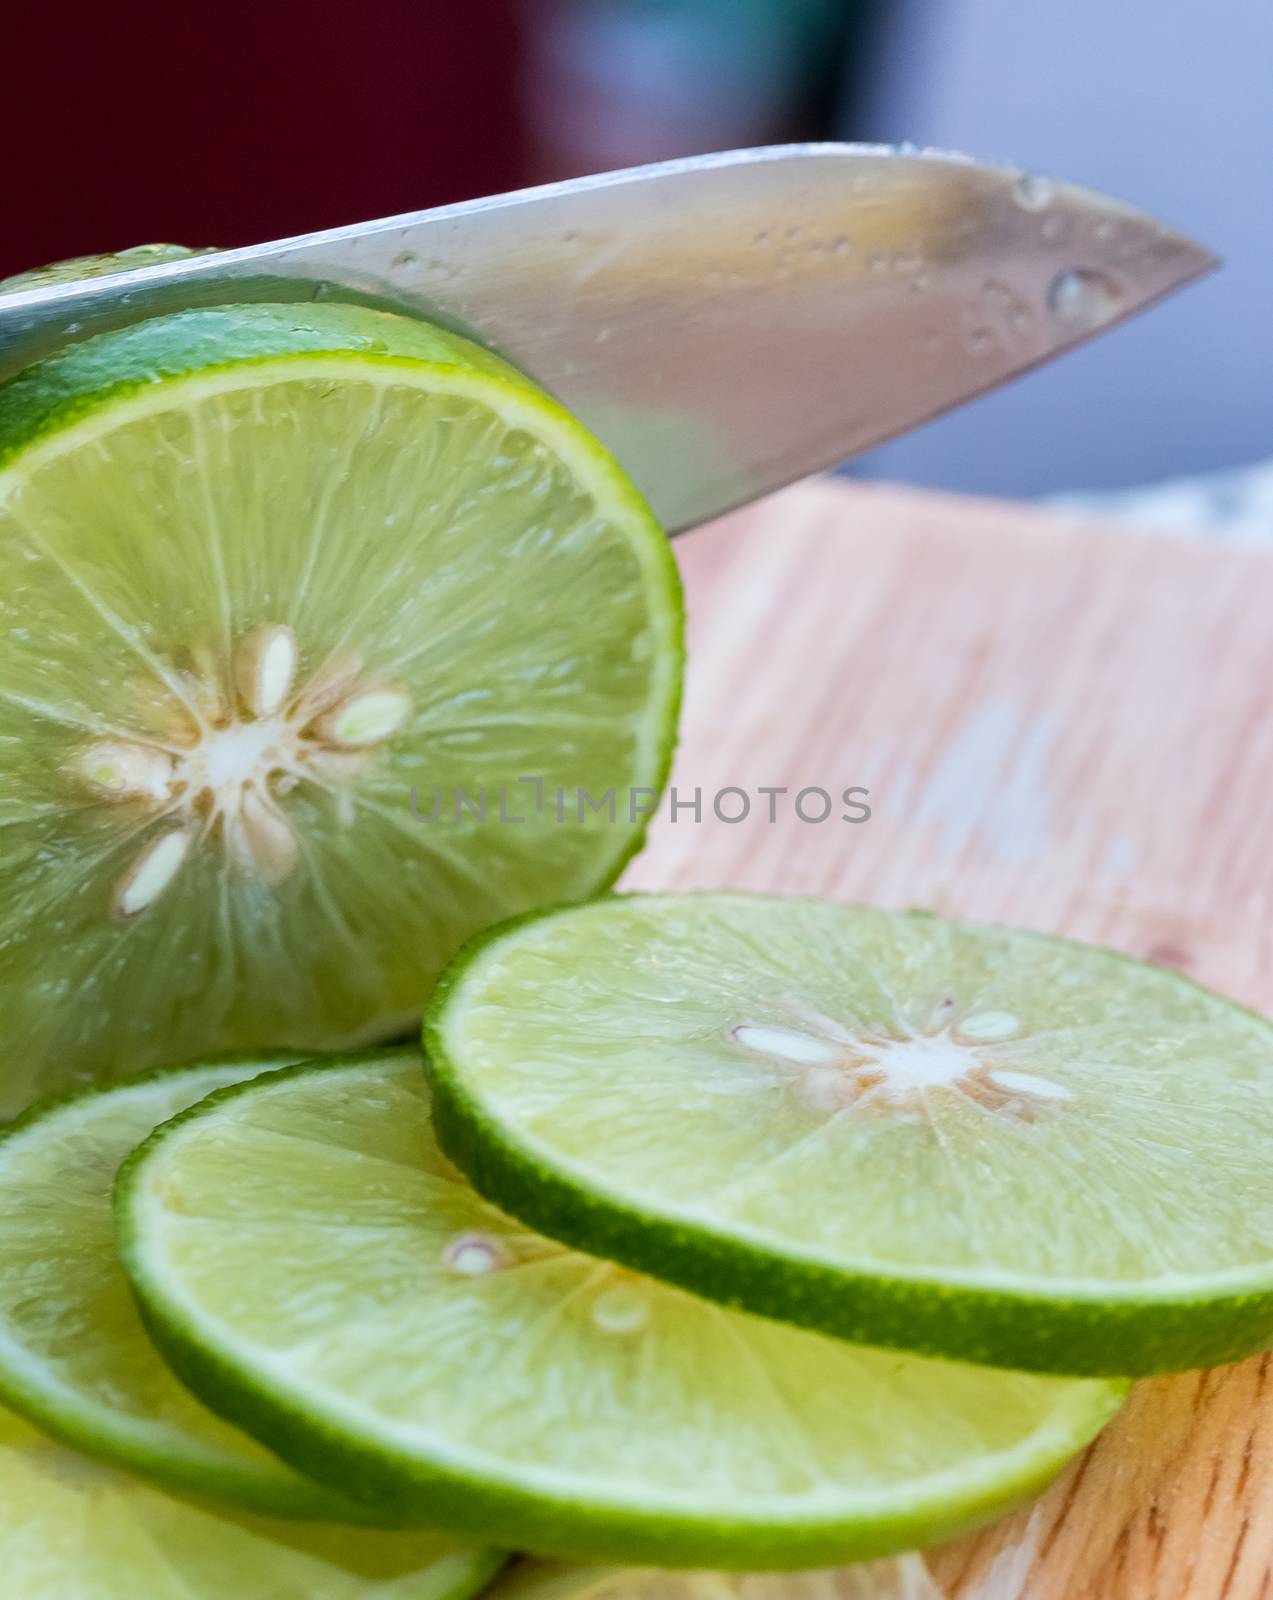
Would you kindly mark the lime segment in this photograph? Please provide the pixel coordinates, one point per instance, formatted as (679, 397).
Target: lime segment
(74, 1356)
(317, 1270)
(309, 615)
(942, 1136)
(71, 1529)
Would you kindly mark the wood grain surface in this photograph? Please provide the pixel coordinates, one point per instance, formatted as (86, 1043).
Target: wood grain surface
(1062, 726)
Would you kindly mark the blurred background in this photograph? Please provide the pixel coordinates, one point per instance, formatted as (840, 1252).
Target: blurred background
(130, 123)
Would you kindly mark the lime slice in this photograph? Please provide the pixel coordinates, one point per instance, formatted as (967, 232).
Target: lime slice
(310, 615)
(74, 1356)
(315, 1269)
(71, 1529)
(898, 1578)
(946, 1137)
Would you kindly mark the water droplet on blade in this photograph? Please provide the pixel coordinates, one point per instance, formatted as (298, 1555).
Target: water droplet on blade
(1033, 193)
(1084, 297)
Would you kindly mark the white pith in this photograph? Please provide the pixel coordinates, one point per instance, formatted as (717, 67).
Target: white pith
(834, 1070)
(240, 742)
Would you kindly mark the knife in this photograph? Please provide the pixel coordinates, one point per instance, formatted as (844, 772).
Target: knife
(725, 323)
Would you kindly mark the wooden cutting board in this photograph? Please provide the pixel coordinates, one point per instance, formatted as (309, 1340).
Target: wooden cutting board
(1062, 726)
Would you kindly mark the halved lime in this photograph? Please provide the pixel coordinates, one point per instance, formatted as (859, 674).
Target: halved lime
(325, 639)
(75, 1358)
(316, 1270)
(941, 1136)
(76, 268)
(71, 1529)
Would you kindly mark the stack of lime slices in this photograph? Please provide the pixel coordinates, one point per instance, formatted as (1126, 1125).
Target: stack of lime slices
(318, 1273)
(780, 1127)
(722, 1233)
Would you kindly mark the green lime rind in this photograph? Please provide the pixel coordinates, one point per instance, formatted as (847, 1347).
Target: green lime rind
(76, 268)
(98, 372)
(449, 1399)
(65, 1304)
(1105, 1328)
(71, 1528)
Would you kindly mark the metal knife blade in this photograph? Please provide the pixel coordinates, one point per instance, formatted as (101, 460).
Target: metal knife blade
(726, 323)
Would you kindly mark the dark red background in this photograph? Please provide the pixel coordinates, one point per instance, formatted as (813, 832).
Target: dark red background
(125, 124)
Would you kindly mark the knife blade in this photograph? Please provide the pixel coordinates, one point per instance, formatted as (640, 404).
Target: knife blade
(725, 323)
